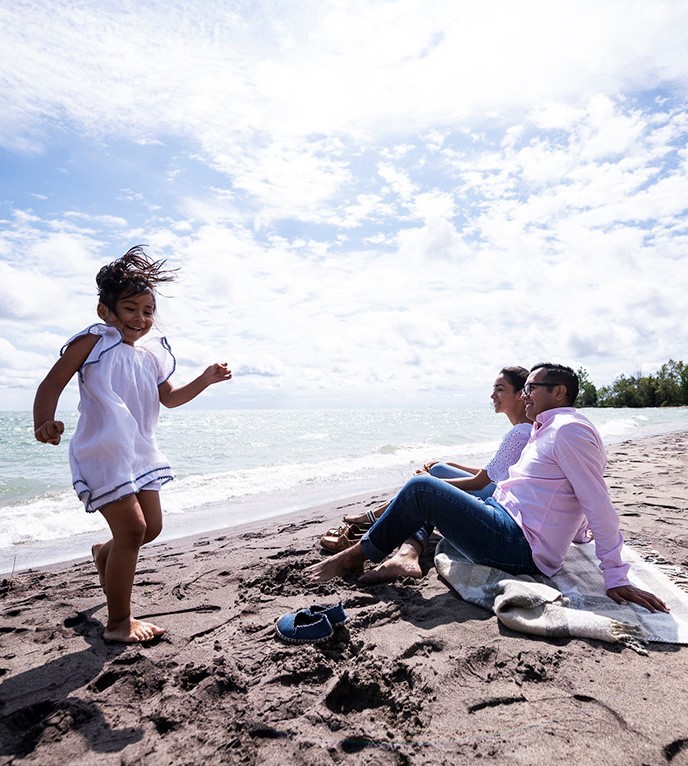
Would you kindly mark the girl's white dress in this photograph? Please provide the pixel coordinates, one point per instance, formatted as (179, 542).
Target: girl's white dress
(113, 452)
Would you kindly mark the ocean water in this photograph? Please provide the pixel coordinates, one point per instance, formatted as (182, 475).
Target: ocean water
(235, 466)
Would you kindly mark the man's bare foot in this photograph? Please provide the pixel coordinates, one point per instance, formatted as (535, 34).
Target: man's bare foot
(404, 563)
(349, 561)
(100, 565)
(131, 631)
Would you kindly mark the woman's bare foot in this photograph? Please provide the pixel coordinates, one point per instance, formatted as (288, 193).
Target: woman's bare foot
(404, 563)
(131, 631)
(349, 561)
(355, 518)
(100, 564)
(367, 517)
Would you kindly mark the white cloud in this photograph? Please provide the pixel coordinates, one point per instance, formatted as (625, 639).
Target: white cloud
(399, 182)
(393, 197)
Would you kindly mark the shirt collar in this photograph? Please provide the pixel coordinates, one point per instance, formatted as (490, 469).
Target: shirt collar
(546, 417)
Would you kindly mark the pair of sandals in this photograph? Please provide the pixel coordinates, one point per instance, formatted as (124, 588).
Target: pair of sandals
(343, 537)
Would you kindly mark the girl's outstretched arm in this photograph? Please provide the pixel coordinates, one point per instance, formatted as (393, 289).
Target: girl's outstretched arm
(47, 429)
(174, 397)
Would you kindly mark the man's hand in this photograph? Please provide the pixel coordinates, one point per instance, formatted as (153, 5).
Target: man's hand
(629, 593)
(50, 431)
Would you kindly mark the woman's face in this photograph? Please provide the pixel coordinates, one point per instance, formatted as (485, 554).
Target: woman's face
(505, 399)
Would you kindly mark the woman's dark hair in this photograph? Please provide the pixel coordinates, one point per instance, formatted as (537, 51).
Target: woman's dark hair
(132, 274)
(517, 376)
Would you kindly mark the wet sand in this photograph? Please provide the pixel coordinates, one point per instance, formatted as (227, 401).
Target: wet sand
(416, 676)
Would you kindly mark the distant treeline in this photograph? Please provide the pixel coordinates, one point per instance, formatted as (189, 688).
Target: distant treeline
(666, 388)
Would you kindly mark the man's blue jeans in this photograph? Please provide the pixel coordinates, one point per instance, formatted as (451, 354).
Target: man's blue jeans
(481, 529)
(445, 471)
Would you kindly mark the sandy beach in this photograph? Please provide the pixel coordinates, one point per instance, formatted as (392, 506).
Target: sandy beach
(417, 676)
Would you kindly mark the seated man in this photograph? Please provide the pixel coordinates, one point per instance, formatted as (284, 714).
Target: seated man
(527, 525)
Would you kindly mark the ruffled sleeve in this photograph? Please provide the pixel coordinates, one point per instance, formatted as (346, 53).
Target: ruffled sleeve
(109, 338)
(159, 348)
(508, 452)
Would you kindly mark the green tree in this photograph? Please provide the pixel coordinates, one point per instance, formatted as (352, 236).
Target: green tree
(683, 383)
(646, 388)
(666, 388)
(622, 393)
(587, 394)
(669, 384)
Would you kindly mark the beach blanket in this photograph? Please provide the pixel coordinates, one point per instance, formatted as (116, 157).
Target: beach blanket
(573, 603)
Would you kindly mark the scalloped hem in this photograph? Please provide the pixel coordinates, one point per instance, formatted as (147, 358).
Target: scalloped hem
(92, 504)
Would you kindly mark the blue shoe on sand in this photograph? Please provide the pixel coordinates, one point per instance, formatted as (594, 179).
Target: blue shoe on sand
(310, 625)
(334, 613)
(301, 627)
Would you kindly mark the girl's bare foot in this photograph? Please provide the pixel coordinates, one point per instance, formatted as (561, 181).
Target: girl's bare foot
(100, 565)
(349, 561)
(131, 631)
(404, 563)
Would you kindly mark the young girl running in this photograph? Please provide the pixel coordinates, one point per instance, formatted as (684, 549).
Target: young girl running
(117, 468)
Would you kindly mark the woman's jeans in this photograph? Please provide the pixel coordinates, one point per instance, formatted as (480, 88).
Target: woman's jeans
(481, 529)
(444, 471)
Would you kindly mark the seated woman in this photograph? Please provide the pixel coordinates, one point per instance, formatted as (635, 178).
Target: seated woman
(506, 398)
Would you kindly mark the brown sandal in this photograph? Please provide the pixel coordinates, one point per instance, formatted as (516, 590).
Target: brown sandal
(340, 539)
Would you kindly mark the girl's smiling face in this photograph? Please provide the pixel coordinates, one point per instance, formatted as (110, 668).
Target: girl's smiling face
(133, 316)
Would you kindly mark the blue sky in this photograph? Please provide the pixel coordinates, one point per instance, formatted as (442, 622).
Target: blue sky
(377, 202)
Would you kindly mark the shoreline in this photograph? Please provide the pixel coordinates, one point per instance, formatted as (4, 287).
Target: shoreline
(416, 676)
(87, 539)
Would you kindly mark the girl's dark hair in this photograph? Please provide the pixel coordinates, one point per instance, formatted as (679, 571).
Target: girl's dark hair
(517, 376)
(132, 274)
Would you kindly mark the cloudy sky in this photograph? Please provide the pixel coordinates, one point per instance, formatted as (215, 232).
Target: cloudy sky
(370, 201)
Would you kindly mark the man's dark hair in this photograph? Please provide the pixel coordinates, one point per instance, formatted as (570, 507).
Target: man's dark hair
(560, 374)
